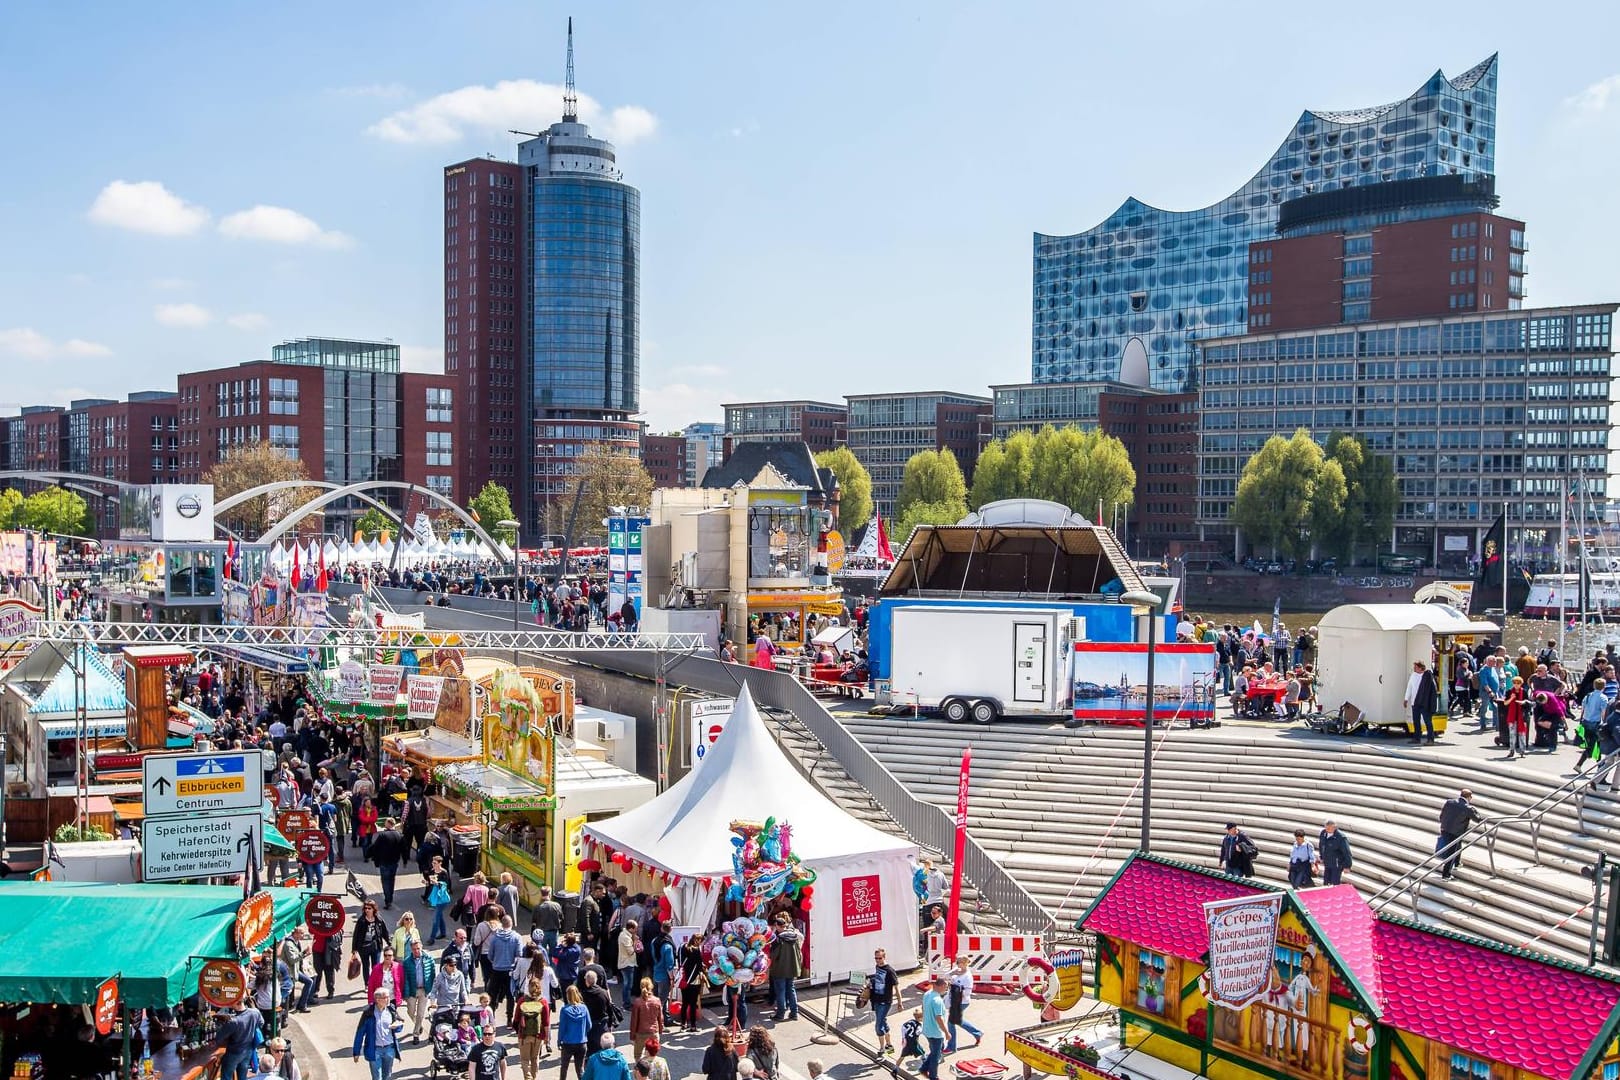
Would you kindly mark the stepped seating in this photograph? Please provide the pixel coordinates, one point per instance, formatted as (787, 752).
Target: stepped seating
(1058, 809)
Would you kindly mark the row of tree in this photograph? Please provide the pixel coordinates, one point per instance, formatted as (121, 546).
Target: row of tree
(51, 509)
(1297, 498)
(1081, 469)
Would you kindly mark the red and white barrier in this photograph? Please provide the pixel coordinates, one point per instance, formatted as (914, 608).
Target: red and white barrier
(994, 959)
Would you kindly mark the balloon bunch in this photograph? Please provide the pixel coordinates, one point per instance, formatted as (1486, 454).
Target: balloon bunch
(740, 953)
(764, 866)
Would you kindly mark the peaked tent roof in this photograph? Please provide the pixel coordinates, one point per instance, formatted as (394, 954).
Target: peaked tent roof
(744, 776)
(103, 691)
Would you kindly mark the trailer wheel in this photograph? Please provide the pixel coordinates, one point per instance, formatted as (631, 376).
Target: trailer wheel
(985, 711)
(954, 709)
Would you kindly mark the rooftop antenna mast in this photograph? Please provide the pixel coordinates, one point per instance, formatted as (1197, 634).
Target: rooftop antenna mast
(570, 98)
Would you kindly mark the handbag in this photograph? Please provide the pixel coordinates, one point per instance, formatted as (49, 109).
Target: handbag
(864, 998)
(354, 965)
(458, 909)
(439, 894)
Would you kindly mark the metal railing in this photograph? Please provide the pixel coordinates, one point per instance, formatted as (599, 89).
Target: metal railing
(1489, 832)
(365, 637)
(928, 825)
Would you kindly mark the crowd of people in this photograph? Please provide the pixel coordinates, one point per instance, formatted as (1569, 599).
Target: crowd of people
(1534, 702)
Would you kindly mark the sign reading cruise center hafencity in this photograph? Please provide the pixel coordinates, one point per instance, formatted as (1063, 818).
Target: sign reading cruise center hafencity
(200, 845)
(1242, 948)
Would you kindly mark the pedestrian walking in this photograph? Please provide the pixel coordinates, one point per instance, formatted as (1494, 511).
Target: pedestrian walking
(438, 898)
(421, 975)
(546, 918)
(1455, 818)
(573, 1028)
(488, 1058)
(646, 1017)
(533, 1028)
(1333, 851)
(599, 1003)
(1301, 862)
(626, 948)
(882, 987)
(961, 996)
(376, 1036)
(502, 948)
(1238, 852)
(692, 980)
(387, 849)
(509, 898)
(720, 1058)
(762, 1052)
(607, 1063)
(787, 964)
(935, 1011)
(1422, 697)
(369, 939)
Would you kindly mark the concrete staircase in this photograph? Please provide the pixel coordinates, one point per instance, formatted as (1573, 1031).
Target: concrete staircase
(1059, 810)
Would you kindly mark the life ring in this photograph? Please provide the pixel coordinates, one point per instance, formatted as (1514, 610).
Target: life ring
(1041, 997)
(1361, 1035)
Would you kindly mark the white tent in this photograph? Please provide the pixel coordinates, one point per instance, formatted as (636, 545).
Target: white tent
(863, 898)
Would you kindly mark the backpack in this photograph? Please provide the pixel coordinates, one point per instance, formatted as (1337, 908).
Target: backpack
(1247, 848)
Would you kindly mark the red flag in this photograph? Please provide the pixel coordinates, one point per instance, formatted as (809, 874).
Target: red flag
(955, 907)
(321, 580)
(885, 552)
(296, 573)
(230, 560)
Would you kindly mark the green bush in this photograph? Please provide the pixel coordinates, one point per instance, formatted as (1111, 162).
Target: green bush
(68, 833)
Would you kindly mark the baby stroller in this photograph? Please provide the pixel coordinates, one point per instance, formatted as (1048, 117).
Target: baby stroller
(448, 1053)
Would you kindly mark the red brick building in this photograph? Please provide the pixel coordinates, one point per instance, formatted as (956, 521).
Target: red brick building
(820, 425)
(1434, 266)
(664, 457)
(429, 434)
(135, 441)
(485, 220)
(1160, 432)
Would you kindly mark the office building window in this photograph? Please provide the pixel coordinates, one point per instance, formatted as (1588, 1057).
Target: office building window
(439, 405)
(283, 397)
(438, 448)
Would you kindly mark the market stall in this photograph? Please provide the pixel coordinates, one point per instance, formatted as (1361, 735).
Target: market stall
(1367, 652)
(684, 839)
(512, 787)
(163, 936)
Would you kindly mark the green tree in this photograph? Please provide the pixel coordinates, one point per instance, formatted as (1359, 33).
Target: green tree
(248, 467)
(612, 477)
(933, 477)
(926, 513)
(1080, 468)
(11, 501)
(55, 510)
(1287, 489)
(1371, 495)
(492, 504)
(373, 523)
(1004, 469)
(854, 488)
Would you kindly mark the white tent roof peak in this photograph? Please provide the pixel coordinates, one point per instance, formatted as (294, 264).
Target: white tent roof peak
(744, 776)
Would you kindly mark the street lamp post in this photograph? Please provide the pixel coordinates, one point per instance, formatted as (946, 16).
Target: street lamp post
(517, 565)
(1152, 603)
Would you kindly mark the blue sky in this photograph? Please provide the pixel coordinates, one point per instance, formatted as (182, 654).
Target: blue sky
(836, 198)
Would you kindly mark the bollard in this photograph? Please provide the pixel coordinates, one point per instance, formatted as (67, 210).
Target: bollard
(826, 1036)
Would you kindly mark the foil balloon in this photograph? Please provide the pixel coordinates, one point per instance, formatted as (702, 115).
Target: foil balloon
(763, 864)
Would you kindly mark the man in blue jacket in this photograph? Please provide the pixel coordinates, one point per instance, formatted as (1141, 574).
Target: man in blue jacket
(607, 1063)
(376, 1037)
(420, 975)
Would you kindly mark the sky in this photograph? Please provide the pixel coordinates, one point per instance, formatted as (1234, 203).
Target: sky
(837, 198)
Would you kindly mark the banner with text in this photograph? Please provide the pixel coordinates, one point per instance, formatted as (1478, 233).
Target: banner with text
(422, 693)
(1242, 948)
(384, 682)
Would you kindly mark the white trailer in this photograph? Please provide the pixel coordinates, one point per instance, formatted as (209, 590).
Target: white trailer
(981, 662)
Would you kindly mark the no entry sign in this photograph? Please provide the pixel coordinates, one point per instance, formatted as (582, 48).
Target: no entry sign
(312, 847)
(324, 914)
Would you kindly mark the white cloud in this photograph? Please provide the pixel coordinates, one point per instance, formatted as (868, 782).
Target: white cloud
(188, 316)
(522, 104)
(279, 225)
(247, 320)
(26, 343)
(1595, 99)
(146, 206)
(428, 359)
(674, 405)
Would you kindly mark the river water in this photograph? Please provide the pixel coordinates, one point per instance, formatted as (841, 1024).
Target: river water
(1579, 643)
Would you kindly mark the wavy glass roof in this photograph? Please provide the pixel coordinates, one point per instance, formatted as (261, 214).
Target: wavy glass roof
(1160, 278)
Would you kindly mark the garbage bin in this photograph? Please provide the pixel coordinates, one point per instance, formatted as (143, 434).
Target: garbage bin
(465, 858)
(570, 906)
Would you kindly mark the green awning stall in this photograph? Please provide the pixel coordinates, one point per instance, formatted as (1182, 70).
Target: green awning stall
(60, 940)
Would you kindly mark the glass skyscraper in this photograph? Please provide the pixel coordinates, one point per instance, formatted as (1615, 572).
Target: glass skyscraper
(583, 252)
(1127, 300)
